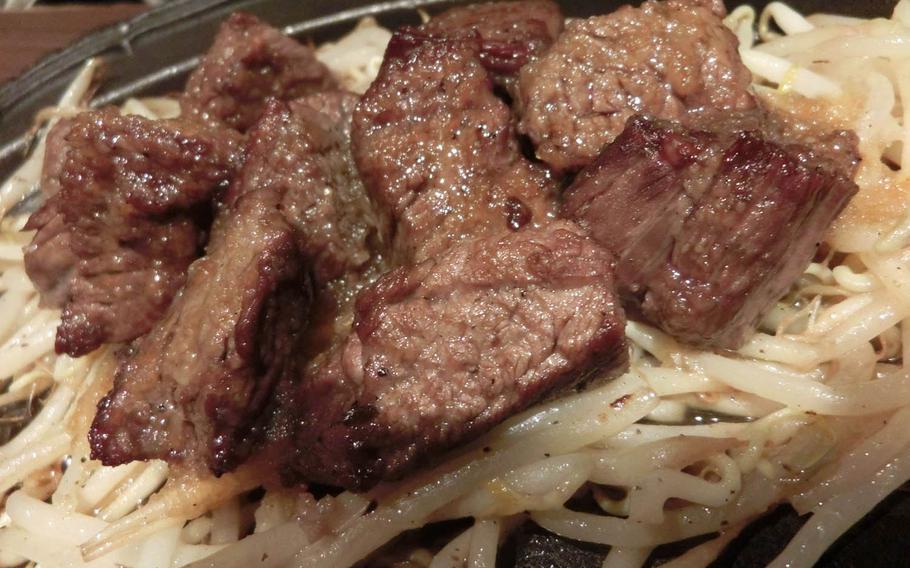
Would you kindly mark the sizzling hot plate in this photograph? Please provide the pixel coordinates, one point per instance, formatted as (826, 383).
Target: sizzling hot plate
(153, 53)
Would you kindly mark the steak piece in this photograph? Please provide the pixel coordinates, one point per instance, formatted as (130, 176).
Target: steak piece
(444, 349)
(193, 387)
(196, 386)
(494, 304)
(709, 229)
(512, 33)
(302, 149)
(125, 214)
(663, 59)
(437, 150)
(248, 63)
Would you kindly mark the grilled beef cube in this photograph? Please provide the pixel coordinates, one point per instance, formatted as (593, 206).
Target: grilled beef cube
(635, 196)
(193, 387)
(512, 33)
(663, 59)
(196, 387)
(444, 349)
(709, 229)
(437, 150)
(248, 63)
(302, 149)
(125, 214)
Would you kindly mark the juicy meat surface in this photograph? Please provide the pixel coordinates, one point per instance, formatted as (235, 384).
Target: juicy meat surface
(664, 59)
(126, 203)
(512, 34)
(437, 150)
(493, 304)
(332, 217)
(196, 387)
(248, 63)
(709, 229)
(444, 349)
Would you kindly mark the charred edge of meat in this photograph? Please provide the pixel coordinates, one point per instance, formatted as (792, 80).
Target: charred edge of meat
(709, 228)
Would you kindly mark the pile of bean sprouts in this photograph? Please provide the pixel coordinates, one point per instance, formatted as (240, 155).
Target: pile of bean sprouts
(814, 410)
